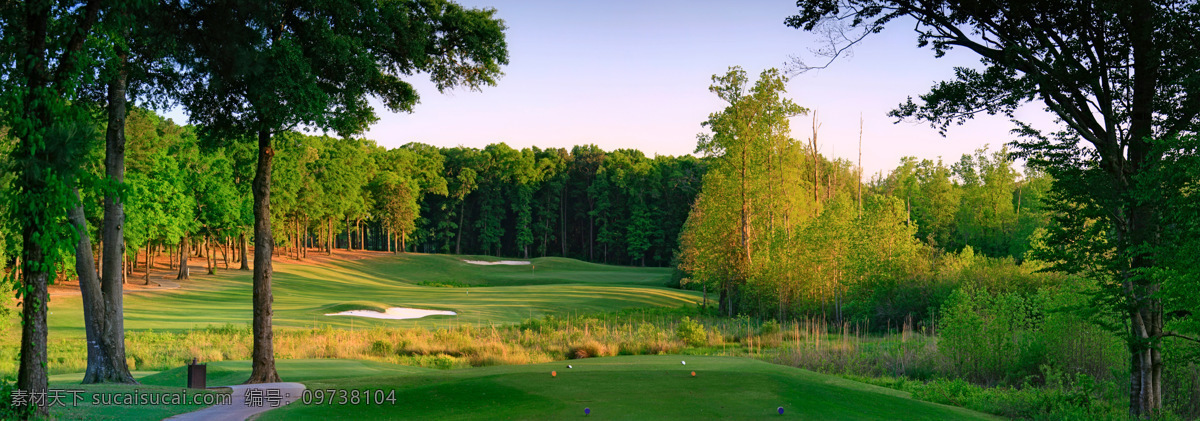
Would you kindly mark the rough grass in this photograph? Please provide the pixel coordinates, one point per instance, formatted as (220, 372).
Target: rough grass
(535, 340)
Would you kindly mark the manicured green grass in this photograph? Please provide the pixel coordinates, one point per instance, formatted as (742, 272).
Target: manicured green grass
(640, 387)
(304, 293)
(221, 373)
(413, 268)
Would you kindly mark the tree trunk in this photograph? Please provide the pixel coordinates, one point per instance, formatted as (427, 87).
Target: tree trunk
(462, 207)
(816, 170)
(93, 299)
(263, 355)
(109, 313)
(184, 273)
(208, 255)
(149, 264)
(244, 252)
(32, 376)
(562, 219)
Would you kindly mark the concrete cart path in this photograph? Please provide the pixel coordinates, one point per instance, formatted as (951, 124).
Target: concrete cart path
(247, 400)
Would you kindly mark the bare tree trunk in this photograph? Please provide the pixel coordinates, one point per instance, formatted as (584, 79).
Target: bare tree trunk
(816, 161)
(462, 208)
(184, 273)
(244, 253)
(562, 218)
(209, 258)
(859, 194)
(149, 264)
(263, 354)
(93, 299)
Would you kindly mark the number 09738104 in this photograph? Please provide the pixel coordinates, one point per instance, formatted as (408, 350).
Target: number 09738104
(348, 397)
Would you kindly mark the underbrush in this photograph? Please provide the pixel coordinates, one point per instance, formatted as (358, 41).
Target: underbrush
(536, 340)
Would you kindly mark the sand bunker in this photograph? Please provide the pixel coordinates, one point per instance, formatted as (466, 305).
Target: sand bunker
(502, 262)
(395, 313)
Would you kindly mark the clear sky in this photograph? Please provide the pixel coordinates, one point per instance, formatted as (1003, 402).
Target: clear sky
(635, 74)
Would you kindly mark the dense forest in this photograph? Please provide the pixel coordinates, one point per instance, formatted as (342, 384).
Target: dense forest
(618, 207)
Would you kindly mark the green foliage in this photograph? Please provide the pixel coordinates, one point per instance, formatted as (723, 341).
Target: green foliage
(769, 327)
(1117, 88)
(992, 337)
(730, 231)
(8, 410)
(691, 332)
(1013, 337)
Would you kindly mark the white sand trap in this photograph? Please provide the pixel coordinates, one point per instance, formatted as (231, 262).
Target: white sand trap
(502, 262)
(395, 313)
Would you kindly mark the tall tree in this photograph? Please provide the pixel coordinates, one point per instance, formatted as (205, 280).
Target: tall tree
(274, 66)
(743, 135)
(44, 67)
(1118, 74)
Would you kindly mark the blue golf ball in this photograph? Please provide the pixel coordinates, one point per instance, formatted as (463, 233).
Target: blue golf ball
(781, 410)
(587, 411)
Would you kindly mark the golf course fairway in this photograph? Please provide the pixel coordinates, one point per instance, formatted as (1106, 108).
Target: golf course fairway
(627, 387)
(305, 293)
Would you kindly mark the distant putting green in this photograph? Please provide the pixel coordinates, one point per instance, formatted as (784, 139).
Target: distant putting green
(305, 293)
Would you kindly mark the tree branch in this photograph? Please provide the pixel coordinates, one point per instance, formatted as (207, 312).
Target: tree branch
(1176, 335)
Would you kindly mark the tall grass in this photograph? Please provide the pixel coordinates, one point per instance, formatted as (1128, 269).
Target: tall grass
(535, 340)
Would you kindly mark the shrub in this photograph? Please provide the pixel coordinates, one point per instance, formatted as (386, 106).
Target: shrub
(587, 349)
(8, 411)
(769, 327)
(691, 332)
(381, 348)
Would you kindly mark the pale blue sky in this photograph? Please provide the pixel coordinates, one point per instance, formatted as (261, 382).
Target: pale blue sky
(635, 74)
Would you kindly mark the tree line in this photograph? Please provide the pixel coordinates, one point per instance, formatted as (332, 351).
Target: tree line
(616, 207)
(188, 197)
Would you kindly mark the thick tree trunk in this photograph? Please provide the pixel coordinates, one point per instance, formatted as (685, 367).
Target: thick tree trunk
(114, 368)
(183, 260)
(32, 376)
(1146, 312)
(89, 288)
(263, 354)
